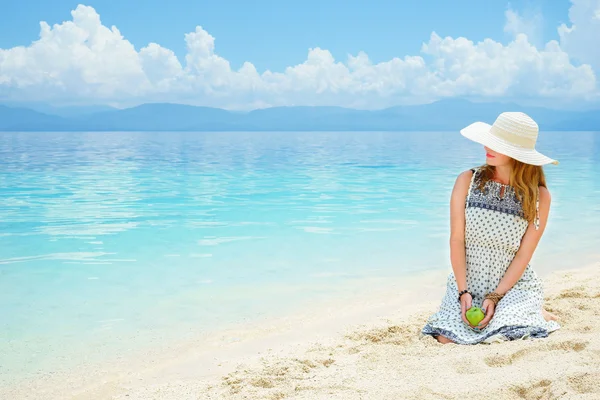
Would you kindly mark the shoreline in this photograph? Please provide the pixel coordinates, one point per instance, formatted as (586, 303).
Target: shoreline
(199, 365)
(239, 341)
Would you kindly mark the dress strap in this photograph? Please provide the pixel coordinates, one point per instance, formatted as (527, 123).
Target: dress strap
(536, 221)
(475, 170)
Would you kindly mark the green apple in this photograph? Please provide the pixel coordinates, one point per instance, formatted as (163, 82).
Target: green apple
(475, 315)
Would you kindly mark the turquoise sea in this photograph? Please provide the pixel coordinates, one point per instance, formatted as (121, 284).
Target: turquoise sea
(116, 240)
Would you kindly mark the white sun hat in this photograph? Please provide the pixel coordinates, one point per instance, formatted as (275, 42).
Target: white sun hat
(513, 134)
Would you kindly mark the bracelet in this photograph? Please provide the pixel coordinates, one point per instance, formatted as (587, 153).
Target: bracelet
(494, 297)
(463, 292)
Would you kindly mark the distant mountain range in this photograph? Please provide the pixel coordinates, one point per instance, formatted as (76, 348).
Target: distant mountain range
(442, 115)
(65, 111)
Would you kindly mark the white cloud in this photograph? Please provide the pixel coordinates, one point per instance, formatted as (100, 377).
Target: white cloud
(581, 39)
(160, 66)
(84, 61)
(79, 58)
(490, 69)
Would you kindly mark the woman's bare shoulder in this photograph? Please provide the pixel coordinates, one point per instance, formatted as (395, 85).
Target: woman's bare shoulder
(464, 178)
(463, 181)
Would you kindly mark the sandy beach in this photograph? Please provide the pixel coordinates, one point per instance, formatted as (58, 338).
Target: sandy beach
(371, 351)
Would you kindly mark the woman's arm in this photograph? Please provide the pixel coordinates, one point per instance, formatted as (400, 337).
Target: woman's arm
(528, 245)
(457, 228)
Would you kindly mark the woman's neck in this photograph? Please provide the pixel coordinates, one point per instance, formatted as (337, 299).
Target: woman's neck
(502, 174)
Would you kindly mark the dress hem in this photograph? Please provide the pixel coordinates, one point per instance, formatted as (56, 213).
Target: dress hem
(506, 332)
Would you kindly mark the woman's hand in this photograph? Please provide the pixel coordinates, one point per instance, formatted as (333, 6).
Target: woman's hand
(488, 307)
(465, 304)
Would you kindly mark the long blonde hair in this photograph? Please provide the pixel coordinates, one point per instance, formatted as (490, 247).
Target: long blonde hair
(524, 179)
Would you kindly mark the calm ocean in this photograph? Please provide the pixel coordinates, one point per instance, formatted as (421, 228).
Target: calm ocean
(112, 240)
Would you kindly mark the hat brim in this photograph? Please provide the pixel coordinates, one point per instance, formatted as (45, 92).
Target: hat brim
(480, 132)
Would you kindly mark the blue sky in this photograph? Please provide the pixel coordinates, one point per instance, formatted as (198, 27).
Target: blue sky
(275, 35)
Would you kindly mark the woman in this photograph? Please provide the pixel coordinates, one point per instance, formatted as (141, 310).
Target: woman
(498, 213)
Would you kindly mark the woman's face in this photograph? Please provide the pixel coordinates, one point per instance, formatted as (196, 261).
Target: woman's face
(495, 159)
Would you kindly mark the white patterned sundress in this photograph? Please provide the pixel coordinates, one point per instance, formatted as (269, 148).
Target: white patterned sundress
(494, 228)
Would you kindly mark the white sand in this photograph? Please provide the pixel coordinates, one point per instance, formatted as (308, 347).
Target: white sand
(368, 350)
